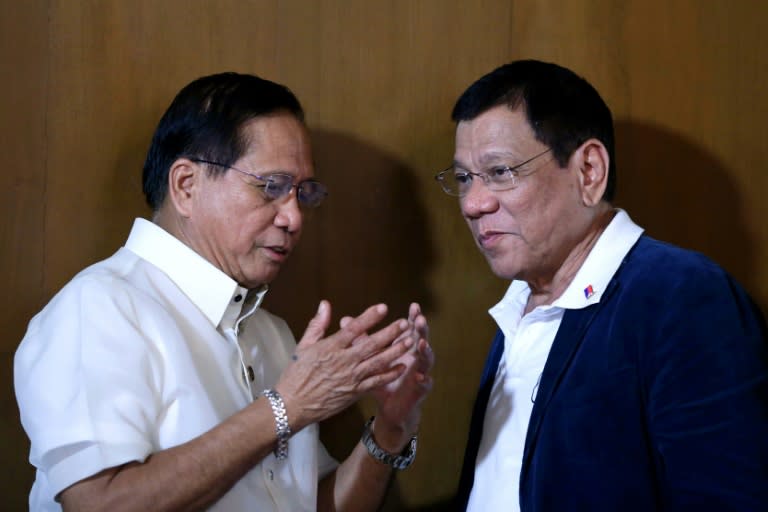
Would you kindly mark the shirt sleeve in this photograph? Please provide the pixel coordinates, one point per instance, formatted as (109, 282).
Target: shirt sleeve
(325, 463)
(86, 382)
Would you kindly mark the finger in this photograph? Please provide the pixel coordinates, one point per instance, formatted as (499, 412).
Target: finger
(317, 325)
(359, 325)
(409, 332)
(381, 379)
(418, 361)
(422, 389)
(381, 361)
(421, 326)
(426, 352)
(344, 322)
(426, 381)
(418, 320)
(414, 310)
(426, 357)
(383, 338)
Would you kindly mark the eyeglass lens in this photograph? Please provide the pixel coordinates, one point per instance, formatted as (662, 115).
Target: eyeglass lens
(309, 193)
(459, 182)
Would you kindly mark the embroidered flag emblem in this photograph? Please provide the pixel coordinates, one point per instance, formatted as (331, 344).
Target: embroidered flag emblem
(589, 291)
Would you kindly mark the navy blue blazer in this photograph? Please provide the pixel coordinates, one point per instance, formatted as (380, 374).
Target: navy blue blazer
(655, 398)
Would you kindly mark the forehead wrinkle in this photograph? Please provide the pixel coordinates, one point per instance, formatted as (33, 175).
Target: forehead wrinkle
(489, 158)
(278, 149)
(491, 143)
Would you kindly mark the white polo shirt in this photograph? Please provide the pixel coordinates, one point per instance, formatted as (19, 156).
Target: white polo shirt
(144, 351)
(527, 341)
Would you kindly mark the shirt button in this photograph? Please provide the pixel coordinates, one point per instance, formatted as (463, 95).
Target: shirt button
(271, 475)
(248, 374)
(238, 297)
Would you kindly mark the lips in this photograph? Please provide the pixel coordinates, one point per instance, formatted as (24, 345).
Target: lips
(277, 253)
(488, 239)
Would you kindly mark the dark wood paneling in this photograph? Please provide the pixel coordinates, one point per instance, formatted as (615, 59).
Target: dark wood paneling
(24, 256)
(85, 83)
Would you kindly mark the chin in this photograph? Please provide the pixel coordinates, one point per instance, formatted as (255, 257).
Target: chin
(253, 283)
(262, 273)
(504, 271)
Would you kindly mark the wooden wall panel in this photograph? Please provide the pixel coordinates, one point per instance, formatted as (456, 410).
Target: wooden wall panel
(23, 257)
(85, 83)
(378, 96)
(685, 81)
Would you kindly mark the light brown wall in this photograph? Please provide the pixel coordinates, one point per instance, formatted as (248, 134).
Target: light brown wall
(83, 84)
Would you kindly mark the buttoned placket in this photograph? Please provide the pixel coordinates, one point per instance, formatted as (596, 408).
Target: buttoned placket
(522, 334)
(248, 380)
(230, 326)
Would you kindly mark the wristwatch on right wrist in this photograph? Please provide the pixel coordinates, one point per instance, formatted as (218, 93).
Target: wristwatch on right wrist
(397, 461)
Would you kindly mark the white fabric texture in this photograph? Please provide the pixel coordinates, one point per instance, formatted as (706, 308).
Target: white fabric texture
(147, 350)
(527, 341)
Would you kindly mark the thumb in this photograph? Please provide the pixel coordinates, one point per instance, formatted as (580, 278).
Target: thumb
(318, 324)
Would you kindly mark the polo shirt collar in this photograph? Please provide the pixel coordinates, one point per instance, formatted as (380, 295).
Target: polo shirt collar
(210, 289)
(592, 278)
(601, 264)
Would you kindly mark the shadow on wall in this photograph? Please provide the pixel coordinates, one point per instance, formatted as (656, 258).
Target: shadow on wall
(368, 243)
(683, 195)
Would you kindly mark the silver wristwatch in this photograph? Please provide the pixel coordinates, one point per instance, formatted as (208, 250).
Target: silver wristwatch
(401, 461)
(282, 428)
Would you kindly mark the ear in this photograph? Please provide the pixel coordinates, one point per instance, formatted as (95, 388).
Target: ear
(184, 177)
(594, 164)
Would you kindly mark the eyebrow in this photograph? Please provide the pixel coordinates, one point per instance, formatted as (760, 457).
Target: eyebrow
(493, 157)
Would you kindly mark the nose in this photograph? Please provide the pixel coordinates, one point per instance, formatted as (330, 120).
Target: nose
(478, 200)
(289, 216)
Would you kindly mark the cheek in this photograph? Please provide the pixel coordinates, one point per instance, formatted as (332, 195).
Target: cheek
(221, 213)
(520, 206)
(534, 216)
(255, 225)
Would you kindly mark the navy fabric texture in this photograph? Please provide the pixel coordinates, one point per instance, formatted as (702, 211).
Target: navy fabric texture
(655, 398)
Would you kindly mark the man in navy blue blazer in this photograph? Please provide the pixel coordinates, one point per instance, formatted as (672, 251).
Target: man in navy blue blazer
(626, 374)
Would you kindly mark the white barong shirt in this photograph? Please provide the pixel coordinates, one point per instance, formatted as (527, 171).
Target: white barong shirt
(144, 351)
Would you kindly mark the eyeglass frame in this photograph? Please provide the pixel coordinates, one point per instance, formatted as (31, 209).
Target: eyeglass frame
(266, 179)
(513, 171)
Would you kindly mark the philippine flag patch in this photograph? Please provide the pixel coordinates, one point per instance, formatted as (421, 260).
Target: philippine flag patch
(589, 291)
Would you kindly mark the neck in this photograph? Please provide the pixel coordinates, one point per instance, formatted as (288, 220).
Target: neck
(546, 291)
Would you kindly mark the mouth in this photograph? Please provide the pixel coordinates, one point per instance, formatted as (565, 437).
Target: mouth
(488, 239)
(277, 253)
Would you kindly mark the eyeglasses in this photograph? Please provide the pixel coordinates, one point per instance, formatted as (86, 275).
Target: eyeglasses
(310, 193)
(457, 182)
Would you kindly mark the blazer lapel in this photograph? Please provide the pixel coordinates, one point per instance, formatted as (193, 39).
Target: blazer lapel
(567, 340)
(467, 478)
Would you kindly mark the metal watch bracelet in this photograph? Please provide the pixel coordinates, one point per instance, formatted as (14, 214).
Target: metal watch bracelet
(399, 461)
(282, 429)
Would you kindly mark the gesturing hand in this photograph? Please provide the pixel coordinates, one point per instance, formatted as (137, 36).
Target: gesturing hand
(330, 373)
(399, 401)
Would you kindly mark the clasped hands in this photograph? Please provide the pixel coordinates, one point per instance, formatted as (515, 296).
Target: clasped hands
(330, 373)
